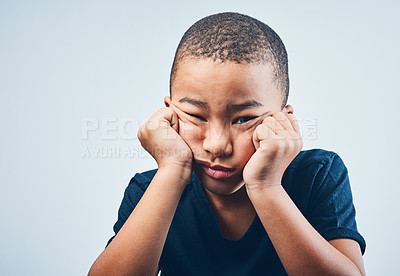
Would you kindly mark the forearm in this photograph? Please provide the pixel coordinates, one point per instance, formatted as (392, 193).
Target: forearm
(136, 249)
(301, 249)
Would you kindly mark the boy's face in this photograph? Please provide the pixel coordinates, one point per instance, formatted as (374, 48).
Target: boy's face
(221, 104)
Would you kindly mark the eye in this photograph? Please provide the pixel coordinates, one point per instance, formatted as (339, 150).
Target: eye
(243, 120)
(197, 116)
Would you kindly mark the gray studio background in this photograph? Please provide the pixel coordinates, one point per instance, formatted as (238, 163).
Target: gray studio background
(77, 79)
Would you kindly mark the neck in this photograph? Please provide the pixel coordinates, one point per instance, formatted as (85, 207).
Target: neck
(237, 200)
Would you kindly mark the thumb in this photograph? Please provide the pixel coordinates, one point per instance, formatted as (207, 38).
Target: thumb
(173, 120)
(256, 139)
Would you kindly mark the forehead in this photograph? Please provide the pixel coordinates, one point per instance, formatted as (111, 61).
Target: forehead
(227, 81)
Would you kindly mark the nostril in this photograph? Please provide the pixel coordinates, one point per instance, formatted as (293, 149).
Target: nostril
(221, 152)
(218, 145)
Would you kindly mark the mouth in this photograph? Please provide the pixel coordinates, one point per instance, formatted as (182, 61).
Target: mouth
(215, 171)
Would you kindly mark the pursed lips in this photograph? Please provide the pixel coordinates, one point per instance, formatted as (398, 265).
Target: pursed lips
(214, 170)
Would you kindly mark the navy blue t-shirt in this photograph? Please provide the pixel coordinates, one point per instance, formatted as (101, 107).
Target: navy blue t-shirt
(317, 182)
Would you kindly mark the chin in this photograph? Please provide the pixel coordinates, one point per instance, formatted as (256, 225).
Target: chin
(219, 186)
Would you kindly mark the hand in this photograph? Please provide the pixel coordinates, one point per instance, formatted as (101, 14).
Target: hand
(159, 136)
(277, 141)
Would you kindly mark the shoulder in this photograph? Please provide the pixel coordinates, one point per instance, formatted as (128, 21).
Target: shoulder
(315, 172)
(142, 180)
(317, 163)
(319, 184)
(136, 187)
(307, 158)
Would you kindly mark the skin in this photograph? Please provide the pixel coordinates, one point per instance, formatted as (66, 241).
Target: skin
(199, 123)
(222, 135)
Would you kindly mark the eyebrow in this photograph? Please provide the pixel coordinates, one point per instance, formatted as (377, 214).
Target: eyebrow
(194, 102)
(235, 107)
(245, 105)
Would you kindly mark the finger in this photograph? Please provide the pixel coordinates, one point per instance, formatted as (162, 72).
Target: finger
(262, 133)
(182, 115)
(283, 120)
(274, 125)
(294, 122)
(167, 116)
(174, 121)
(259, 120)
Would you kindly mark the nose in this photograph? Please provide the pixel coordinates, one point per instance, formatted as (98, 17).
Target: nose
(218, 141)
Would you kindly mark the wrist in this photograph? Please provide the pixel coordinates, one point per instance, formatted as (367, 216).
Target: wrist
(181, 166)
(181, 172)
(263, 183)
(264, 189)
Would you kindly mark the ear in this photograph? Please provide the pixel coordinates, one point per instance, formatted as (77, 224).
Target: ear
(288, 109)
(167, 101)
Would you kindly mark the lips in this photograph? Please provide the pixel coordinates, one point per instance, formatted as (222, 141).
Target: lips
(214, 170)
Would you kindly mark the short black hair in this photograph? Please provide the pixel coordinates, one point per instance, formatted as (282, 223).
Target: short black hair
(231, 36)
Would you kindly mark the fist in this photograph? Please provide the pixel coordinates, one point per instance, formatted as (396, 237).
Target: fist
(159, 136)
(277, 141)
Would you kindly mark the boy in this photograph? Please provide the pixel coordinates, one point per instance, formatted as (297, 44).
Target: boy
(233, 193)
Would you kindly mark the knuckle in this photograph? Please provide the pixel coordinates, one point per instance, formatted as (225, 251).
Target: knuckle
(300, 143)
(266, 118)
(140, 135)
(277, 145)
(290, 144)
(279, 115)
(260, 127)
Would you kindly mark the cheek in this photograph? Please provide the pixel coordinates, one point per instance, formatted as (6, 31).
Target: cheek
(190, 133)
(244, 147)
